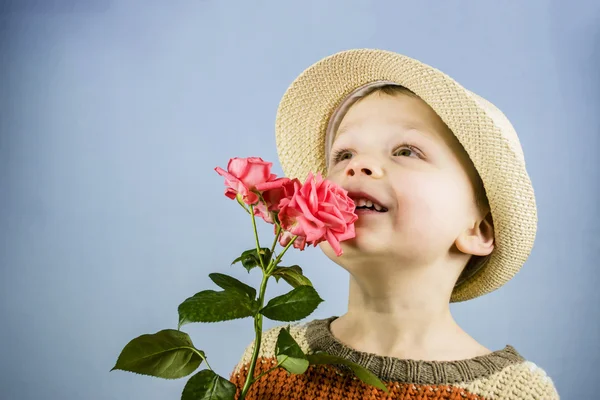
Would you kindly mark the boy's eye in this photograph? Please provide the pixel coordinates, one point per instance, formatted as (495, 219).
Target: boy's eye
(340, 155)
(406, 150)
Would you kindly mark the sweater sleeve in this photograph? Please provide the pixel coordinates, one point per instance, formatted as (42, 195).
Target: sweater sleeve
(536, 384)
(243, 363)
(266, 359)
(521, 381)
(240, 370)
(267, 350)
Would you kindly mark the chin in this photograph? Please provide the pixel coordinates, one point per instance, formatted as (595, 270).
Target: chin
(367, 246)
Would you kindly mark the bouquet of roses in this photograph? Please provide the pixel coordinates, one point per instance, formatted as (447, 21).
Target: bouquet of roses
(301, 214)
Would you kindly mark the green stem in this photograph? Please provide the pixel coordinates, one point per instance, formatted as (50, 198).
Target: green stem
(204, 358)
(241, 203)
(276, 238)
(271, 369)
(258, 335)
(262, 264)
(274, 263)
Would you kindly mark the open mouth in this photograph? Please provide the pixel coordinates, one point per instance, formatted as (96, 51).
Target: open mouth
(367, 204)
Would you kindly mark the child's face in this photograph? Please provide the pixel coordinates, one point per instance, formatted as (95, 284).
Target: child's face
(427, 189)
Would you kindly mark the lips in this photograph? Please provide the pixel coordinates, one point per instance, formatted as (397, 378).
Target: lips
(362, 195)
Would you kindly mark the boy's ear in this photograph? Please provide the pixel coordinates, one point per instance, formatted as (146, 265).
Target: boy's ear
(477, 240)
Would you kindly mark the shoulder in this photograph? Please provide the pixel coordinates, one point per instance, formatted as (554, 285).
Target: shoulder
(532, 381)
(268, 342)
(518, 380)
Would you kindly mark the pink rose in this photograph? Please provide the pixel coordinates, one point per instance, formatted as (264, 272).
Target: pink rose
(243, 175)
(319, 210)
(285, 238)
(272, 192)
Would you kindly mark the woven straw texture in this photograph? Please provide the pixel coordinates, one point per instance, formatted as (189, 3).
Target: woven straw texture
(486, 134)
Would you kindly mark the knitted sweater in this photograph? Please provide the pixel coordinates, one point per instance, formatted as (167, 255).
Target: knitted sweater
(500, 375)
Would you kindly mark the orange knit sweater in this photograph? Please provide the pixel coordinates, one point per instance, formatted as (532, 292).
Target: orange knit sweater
(501, 375)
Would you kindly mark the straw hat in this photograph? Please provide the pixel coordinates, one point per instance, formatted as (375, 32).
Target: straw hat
(486, 134)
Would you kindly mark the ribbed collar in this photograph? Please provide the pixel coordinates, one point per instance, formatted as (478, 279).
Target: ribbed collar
(320, 338)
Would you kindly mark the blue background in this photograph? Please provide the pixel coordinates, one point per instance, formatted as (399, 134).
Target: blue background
(113, 116)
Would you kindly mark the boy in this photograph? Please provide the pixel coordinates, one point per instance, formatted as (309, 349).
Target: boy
(446, 213)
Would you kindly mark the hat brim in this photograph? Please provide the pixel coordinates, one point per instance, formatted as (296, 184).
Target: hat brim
(486, 134)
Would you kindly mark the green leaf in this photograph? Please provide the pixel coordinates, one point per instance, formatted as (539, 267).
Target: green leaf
(211, 306)
(249, 261)
(292, 275)
(206, 385)
(289, 354)
(361, 372)
(167, 354)
(249, 258)
(293, 306)
(230, 283)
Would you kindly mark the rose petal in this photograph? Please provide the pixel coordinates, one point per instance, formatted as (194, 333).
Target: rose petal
(312, 230)
(318, 210)
(334, 243)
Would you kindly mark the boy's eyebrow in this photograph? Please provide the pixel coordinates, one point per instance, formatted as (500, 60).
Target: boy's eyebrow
(409, 127)
(342, 129)
(422, 132)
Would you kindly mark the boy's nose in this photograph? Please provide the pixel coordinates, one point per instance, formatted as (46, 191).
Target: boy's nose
(365, 167)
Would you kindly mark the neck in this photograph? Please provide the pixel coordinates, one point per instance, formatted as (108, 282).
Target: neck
(404, 318)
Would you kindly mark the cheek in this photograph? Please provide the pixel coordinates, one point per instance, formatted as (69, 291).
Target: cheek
(328, 251)
(326, 248)
(431, 205)
(333, 174)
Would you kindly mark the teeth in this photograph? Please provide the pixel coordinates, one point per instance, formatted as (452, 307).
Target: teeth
(367, 203)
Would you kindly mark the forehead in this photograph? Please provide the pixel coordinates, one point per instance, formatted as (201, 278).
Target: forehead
(404, 114)
(399, 112)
